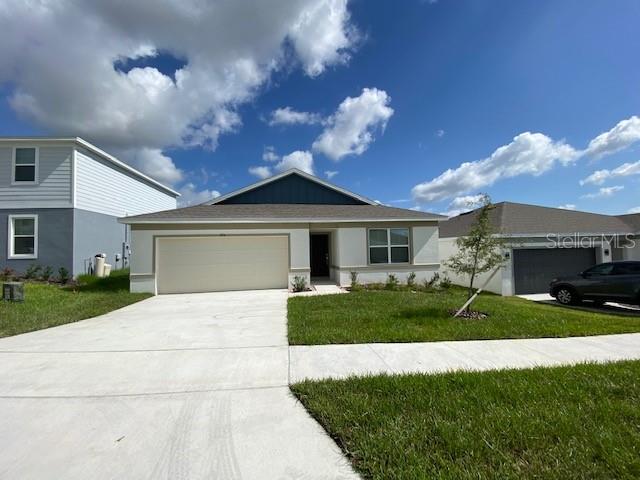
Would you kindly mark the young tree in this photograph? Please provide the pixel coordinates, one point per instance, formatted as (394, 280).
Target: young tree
(480, 250)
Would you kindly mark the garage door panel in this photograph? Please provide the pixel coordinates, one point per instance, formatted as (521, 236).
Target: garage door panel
(533, 269)
(204, 264)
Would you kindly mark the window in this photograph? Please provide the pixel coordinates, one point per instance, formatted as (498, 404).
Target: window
(25, 165)
(631, 268)
(602, 269)
(23, 236)
(389, 245)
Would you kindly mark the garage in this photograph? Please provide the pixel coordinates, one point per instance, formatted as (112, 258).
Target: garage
(218, 263)
(533, 269)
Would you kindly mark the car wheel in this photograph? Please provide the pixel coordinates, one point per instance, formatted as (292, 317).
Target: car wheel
(566, 296)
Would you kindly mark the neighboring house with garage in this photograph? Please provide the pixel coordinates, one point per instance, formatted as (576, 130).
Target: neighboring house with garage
(60, 199)
(264, 235)
(541, 243)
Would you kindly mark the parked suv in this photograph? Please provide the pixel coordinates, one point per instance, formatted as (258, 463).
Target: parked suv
(606, 282)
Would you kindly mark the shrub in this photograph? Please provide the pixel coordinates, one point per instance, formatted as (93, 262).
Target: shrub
(47, 272)
(7, 274)
(63, 275)
(32, 271)
(354, 280)
(445, 283)
(430, 285)
(392, 282)
(299, 284)
(411, 280)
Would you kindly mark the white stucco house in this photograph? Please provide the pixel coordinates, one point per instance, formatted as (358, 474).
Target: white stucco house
(541, 243)
(264, 235)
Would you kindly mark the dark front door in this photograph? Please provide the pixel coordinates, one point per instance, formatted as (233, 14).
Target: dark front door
(320, 255)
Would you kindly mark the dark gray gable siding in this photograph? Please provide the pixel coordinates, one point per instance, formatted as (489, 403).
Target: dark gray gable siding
(293, 189)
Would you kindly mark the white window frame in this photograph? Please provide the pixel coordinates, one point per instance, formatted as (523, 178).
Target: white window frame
(389, 245)
(10, 243)
(36, 165)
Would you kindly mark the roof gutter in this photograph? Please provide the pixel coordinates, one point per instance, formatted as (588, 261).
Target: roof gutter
(134, 221)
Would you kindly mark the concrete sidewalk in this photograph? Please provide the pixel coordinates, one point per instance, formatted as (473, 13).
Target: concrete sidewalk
(341, 361)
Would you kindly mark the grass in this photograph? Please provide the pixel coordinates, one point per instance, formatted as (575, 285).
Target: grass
(49, 305)
(569, 422)
(403, 316)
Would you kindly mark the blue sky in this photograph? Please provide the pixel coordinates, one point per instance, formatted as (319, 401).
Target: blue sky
(451, 81)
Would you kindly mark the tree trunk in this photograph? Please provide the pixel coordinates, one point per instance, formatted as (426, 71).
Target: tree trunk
(470, 290)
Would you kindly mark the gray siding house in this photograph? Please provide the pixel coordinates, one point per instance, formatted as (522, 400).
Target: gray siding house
(60, 199)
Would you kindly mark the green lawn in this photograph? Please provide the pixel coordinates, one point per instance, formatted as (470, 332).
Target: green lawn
(402, 316)
(569, 422)
(50, 305)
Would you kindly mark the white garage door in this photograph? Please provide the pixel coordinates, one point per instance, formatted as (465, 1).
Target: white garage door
(208, 264)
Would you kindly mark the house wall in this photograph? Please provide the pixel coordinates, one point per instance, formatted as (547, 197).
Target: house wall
(55, 239)
(105, 188)
(143, 274)
(499, 283)
(352, 254)
(98, 233)
(54, 187)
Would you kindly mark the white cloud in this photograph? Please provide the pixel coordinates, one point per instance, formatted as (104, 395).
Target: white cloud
(567, 206)
(604, 192)
(288, 116)
(634, 210)
(440, 133)
(270, 155)
(330, 173)
(191, 196)
(600, 176)
(351, 128)
(623, 135)
(528, 154)
(464, 204)
(260, 172)
(154, 163)
(302, 160)
(322, 35)
(225, 64)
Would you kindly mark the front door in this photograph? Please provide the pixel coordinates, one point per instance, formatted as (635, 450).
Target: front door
(320, 255)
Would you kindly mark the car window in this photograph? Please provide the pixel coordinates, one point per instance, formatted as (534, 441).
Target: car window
(627, 269)
(603, 269)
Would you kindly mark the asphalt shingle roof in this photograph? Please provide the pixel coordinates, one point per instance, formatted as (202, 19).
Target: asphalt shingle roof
(522, 219)
(281, 212)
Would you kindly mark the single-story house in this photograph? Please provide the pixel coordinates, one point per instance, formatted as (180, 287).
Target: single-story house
(60, 200)
(541, 243)
(264, 235)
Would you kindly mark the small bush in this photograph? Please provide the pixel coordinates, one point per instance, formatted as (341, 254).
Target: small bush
(32, 271)
(7, 274)
(354, 280)
(63, 275)
(445, 283)
(392, 282)
(431, 284)
(47, 273)
(299, 284)
(411, 280)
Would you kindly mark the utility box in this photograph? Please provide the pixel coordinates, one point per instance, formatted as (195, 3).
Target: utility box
(13, 291)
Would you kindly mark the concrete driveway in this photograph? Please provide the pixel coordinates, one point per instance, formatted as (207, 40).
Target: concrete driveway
(177, 387)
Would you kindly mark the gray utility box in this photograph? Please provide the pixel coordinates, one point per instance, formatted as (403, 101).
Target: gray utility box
(13, 291)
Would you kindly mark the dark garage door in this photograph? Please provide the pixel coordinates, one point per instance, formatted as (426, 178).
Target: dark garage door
(533, 269)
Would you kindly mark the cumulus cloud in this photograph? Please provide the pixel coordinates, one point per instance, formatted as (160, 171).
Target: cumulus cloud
(600, 176)
(145, 107)
(260, 171)
(269, 154)
(351, 128)
(288, 116)
(154, 163)
(604, 192)
(302, 160)
(634, 210)
(464, 204)
(623, 135)
(567, 206)
(440, 133)
(528, 154)
(330, 173)
(190, 195)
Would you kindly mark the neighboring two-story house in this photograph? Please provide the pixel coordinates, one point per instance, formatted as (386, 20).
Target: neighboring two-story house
(60, 199)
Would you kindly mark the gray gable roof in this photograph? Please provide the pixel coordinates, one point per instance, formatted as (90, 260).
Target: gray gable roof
(281, 213)
(521, 219)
